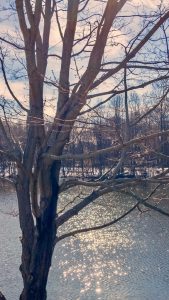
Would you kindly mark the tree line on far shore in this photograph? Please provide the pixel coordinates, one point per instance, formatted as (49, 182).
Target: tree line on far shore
(106, 128)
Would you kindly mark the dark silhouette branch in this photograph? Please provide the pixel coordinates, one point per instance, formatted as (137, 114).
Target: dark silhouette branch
(133, 53)
(9, 88)
(140, 201)
(99, 227)
(124, 145)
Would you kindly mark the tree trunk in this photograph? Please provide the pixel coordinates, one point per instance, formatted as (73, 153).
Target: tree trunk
(2, 296)
(36, 281)
(38, 240)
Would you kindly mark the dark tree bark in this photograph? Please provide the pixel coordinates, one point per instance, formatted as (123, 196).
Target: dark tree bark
(2, 297)
(37, 251)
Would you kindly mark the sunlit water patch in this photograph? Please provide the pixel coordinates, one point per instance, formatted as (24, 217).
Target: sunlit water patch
(126, 261)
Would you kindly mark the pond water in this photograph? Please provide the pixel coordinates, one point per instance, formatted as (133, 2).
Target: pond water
(126, 261)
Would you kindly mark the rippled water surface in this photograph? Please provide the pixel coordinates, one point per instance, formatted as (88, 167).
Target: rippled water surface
(126, 261)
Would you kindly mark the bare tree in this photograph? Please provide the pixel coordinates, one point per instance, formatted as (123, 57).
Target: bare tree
(86, 35)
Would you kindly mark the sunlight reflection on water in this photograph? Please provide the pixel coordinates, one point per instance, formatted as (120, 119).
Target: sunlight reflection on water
(125, 261)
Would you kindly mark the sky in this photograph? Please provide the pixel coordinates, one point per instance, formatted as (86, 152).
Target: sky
(9, 28)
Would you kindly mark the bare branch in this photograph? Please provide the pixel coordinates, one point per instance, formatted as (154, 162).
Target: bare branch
(9, 88)
(99, 227)
(68, 40)
(109, 149)
(115, 92)
(133, 53)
